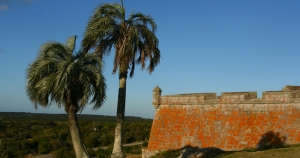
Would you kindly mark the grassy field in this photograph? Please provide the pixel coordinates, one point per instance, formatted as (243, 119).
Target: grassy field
(286, 152)
(272, 153)
(290, 152)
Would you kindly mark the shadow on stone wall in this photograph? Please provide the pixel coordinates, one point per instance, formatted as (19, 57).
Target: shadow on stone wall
(268, 140)
(271, 140)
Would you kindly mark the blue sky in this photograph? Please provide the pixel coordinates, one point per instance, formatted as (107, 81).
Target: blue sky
(206, 46)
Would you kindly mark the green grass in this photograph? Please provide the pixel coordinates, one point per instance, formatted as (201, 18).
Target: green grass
(271, 153)
(290, 151)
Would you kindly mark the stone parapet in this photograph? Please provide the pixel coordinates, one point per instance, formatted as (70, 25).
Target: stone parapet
(280, 96)
(227, 97)
(234, 97)
(187, 98)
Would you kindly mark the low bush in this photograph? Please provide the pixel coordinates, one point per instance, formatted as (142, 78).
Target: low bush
(64, 152)
(91, 152)
(103, 153)
(167, 154)
(145, 144)
(132, 149)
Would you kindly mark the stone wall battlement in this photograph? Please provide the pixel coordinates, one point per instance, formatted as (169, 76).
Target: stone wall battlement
(231, 121)
(230, 97)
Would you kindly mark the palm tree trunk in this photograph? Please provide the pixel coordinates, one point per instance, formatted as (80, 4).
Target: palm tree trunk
(117, 150)
(78, 145)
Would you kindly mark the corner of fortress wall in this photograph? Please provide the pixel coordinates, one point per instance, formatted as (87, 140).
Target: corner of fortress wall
(232, 121)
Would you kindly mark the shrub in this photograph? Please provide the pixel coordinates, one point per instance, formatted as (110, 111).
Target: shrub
(56, 144)
(44, 147)
(90, 141)
(13, 148)
(136, 150)
(64, 152)
(145, 144)
(132, 149)
(91, 152)
(103, 153)
(168, 154)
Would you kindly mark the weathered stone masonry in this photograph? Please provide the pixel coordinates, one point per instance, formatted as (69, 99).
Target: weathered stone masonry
(232, 121)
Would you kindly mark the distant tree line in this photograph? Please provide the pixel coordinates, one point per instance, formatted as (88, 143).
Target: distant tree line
(64, 117)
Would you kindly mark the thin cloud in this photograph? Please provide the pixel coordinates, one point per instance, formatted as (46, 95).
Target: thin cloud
(1, 50)
(3, 7)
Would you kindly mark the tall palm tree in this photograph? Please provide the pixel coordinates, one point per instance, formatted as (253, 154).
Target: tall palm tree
(68, 79)
(133, 40)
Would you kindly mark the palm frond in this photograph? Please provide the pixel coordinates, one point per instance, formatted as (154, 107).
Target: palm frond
(71, 43)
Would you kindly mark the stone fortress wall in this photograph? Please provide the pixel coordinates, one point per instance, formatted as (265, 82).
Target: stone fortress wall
(232, 121)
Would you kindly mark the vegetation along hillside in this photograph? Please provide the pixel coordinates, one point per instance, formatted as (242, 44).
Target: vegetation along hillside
(25, 134)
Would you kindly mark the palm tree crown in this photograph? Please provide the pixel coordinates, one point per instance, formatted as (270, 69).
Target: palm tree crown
(133, 40)
(58, 75)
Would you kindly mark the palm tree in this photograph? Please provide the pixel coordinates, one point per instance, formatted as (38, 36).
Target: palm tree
(68, 79)
(133, 41)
